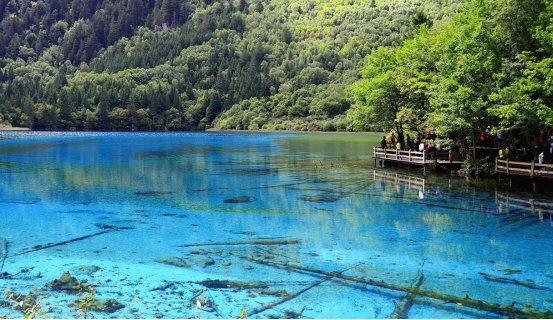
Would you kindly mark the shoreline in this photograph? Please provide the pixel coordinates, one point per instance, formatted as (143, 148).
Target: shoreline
(531, 182)
(292, 131)
(10, 128)
(6, 128)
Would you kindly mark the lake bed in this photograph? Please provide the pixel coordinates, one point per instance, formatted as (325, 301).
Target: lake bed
(157, 221)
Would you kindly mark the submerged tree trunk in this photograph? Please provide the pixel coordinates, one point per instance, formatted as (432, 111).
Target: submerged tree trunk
(3, 253)
(506, 310)
(401, 309)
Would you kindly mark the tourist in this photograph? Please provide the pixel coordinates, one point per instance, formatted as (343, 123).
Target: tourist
(398, 146)
(500, 137)
(524, 153)
(421, 146)
(536, 154)
(383, 142)
(504, 153)
(513, 152)
(483, 137)
(393, 139)
(549, 148)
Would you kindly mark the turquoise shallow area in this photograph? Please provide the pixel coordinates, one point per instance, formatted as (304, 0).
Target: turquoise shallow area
(223, 202)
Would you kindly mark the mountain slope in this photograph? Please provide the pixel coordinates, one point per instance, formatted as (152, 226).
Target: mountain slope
(182, 65)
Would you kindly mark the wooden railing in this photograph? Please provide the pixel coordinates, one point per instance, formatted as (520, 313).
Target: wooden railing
(400, 179)
(412, 156)
(531, 169)
(527, 204)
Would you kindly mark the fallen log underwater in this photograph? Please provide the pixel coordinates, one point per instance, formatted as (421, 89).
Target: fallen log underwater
(286, 185)
(333, 196)
(401, 309)
(524, 226)
(527, 284)
(228, 284)
(296, 294)
(513, 219)
(3, 253)
(510, 311)
(264, 242)
(51, 245)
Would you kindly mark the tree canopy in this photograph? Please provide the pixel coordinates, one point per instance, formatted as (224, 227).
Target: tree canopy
(490, 65)
(450, 67)
(194, 64)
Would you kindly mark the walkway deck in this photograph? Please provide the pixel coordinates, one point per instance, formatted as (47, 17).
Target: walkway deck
(528, 169)
(415, 157)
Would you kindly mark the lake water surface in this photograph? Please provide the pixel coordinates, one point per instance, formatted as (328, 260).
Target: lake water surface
(149, 217)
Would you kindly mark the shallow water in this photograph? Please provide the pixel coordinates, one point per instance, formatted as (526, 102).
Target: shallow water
(221, 202)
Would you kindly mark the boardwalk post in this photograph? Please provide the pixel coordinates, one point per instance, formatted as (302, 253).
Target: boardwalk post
(424, 162)
(409, 155)
(397, 154)
(450, 157)
(507, 165)
(496, 163)
(374, 156)
(532, 164)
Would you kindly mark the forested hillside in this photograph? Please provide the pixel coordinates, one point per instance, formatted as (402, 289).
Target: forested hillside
(195, 64)
(491, 65)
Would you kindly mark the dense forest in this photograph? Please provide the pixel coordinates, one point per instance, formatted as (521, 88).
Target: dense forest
(449, 67)
(194, 64)
(489, 68)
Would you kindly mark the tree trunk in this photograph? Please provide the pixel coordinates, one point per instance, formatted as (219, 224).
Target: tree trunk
(400, 136)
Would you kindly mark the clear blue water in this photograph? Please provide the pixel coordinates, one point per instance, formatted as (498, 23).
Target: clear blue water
(323, 203)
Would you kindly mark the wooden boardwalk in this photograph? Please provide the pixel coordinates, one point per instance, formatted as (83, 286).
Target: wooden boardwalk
(528, 169)
(424, 158)
(415, 157)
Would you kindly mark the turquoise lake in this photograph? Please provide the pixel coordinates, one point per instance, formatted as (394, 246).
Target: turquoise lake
(148, 218)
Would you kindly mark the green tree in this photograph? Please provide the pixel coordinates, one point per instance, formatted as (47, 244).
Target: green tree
(45, 117)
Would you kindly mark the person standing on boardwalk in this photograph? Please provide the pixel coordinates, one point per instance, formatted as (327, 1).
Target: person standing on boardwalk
(536, 154)
(383, 142)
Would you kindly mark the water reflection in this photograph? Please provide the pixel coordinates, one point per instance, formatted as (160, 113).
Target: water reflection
(518, 208)
(515, 206)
